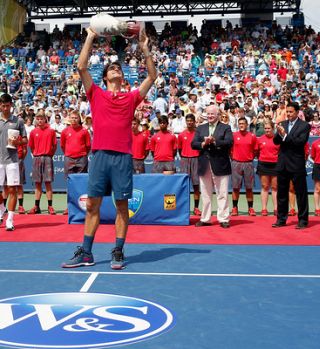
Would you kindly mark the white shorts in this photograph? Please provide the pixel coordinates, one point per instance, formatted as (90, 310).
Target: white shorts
(9, 174)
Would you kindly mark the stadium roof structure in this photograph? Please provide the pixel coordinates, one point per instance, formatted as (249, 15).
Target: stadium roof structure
(44, 9)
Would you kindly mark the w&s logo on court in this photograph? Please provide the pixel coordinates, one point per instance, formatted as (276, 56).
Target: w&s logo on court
(79, 320)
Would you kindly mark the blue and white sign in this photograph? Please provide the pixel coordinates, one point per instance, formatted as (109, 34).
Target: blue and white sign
(79, 320)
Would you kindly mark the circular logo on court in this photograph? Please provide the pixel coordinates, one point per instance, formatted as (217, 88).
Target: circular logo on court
(79, 320)
(82, 201)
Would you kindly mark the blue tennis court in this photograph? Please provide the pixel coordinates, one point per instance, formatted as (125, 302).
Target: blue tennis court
(219, 296)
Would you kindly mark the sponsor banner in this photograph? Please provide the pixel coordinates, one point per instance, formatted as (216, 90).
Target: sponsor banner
(79, 320)
(60, 184)
(156, 199)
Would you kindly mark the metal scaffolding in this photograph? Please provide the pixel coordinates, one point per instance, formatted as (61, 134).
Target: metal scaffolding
(43, 9)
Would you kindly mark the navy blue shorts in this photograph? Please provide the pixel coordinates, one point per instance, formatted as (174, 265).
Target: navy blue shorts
(110, 171)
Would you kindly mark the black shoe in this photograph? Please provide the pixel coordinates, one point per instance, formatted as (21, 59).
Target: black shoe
(301, 226)
(117, 259)
(202, 224)
(225, 225)
(278, 224)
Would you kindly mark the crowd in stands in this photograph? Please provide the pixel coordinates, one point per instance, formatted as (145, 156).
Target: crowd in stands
(247, 71)
(250, 72)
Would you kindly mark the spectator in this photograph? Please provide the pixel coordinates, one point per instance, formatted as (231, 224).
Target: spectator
(155, 125)
(315, 124)
(178, 123)
(160, 104)
(43, 145)
(88, 124)
(242, 155)
(29, 125)
(57, 125)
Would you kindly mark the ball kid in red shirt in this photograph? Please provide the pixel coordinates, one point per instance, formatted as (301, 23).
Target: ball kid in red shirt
(163, 146)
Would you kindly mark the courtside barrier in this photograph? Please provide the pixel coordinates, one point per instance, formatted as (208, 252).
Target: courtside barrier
(157, 199)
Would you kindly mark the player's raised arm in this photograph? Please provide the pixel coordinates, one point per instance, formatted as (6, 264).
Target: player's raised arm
(83, 60)
(152, 72)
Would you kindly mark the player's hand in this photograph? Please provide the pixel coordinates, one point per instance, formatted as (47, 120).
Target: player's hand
(144, 43)
(91, 33)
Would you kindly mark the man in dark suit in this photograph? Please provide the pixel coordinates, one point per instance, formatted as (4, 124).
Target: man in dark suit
(292, 136)
(214, 140)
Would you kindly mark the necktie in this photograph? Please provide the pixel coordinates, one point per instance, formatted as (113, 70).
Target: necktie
(212, 128)
(290, 126)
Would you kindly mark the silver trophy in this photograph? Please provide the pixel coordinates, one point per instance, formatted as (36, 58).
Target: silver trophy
(103, 25)
(12, 136)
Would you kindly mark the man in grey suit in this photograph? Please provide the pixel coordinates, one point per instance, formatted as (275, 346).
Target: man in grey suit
(292, 136)
(214, 140)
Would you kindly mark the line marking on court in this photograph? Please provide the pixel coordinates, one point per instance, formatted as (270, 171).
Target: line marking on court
(89, 282)
(297, 276)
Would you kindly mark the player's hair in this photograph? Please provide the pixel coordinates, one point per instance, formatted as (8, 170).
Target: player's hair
(5, 98)
(107, 67)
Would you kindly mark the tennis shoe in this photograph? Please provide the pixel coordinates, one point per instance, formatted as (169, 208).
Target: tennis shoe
(264, 212)
(292, 212)
(51, 210)
(196, 211)
(21, 210)
(9, 225)
(117, 259)
(251, 212)
(35, 210)
(234, 211)
(80, 259)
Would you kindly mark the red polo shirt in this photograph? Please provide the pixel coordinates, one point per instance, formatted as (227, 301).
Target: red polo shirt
(244, 146)
(184, 144)
(75, 142)
(111, 118)
(140, 144)
(315, 151)
(163, 144)
(43, 141)
(268, 151)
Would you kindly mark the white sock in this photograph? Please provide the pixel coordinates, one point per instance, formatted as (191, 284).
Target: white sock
(10, 215)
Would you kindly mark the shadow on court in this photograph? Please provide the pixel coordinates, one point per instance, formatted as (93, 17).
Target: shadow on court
(158, 255)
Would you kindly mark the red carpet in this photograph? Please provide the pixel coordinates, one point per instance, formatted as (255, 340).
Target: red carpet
(244, 230)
